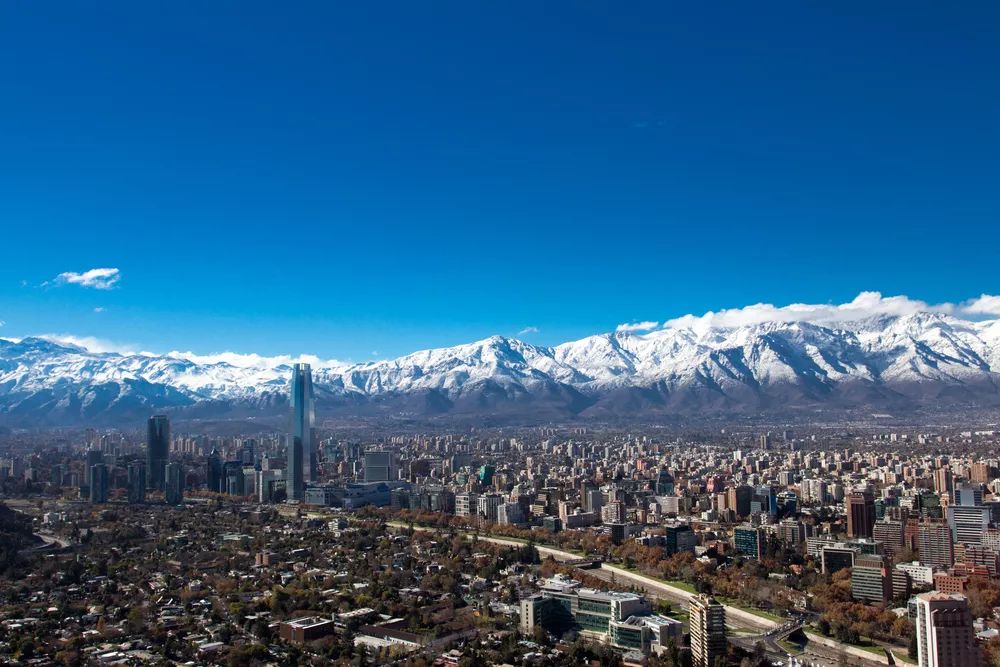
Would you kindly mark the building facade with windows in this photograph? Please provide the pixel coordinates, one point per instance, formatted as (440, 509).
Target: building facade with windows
(707, 619)
(945, 636)
(623, 620)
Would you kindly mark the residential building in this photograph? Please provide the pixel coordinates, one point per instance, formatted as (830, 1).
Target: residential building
(466, 504)
(945, 636)
(707, 620)
(306, 629)
(488, 505)
(935, 544)
(890, 534)
(921, 575)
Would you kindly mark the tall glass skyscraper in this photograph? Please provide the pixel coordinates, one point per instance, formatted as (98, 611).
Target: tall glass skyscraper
(157, 451)
(301, 452)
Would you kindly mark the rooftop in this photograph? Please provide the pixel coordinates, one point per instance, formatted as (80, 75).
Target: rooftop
(308, 621)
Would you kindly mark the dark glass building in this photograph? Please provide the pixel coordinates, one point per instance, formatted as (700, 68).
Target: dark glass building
(213, 473)
(174, 489)
(301, 467)
(137, 482)
(99, 483)
(157, 451)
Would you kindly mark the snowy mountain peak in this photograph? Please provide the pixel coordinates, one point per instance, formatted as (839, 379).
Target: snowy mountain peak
(902, 361)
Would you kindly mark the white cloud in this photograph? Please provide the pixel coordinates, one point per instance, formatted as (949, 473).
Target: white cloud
(100, 345)
(96, 278)
(864, 305)
(985, 304)
(91, 343)
(99, 309)
(527, 330)
(637, 326)
(254, 360)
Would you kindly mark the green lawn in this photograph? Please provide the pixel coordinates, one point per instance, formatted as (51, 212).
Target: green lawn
(683, 585)
(867, 645)
(903, 656)
(750, 610)
(789, 646)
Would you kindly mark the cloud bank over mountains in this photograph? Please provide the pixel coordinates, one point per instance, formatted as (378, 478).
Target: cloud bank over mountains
(864, 306)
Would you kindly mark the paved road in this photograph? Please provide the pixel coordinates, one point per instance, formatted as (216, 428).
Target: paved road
(29, 508)
(51, 539)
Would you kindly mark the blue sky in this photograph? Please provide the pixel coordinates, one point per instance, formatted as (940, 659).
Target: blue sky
(370, 179)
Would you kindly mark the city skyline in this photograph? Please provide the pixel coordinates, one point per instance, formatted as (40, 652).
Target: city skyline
(436, 178)
(522, 334)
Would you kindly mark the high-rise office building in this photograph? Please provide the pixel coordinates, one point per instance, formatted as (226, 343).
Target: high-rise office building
(174, 484)
(94, 456)
(968, 523)
(485, 474)
(593, 500)
(664, 483)
(379, 466)
(488, 505)
(786, 503)
(99, 483)
(157, 451)
(301, 454)
(967, 517)
(945, 636)
(708, 630)
(837, 556)
(739, 499)
(679, 538)
(871, 579)
(860, 514)
(969, 495)
(136, 483)
(750, 541)
(213, 472)
(233, 480)
(466, 504)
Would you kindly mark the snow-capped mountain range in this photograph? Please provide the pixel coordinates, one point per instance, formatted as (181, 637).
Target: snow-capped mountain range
(899, 362)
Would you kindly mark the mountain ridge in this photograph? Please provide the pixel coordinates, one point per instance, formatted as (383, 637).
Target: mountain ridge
(899, 362)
